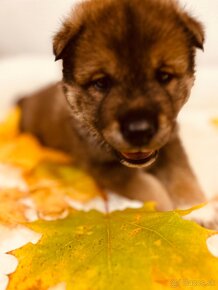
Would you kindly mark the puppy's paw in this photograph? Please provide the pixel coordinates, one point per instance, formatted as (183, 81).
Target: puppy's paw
(206, 216)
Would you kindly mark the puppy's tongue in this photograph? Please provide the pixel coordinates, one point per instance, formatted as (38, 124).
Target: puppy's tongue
(137, 155)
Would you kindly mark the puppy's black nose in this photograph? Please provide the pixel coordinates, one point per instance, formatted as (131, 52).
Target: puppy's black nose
(139, 127)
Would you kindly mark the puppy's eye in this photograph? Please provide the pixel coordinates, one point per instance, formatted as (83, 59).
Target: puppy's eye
(102, 84)
(164, 77)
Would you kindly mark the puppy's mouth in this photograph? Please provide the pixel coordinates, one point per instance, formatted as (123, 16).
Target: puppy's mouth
(140, 159)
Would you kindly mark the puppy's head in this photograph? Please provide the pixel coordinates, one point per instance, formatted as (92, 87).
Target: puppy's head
(128, 67)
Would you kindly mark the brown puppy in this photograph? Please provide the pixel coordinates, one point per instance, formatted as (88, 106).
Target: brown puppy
(128, 67)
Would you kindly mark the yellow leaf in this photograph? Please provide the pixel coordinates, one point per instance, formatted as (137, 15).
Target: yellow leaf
(65, 178)
(23, 149)
(48, 174)
(47, 188)
(9, 127)
(26, 152)
(12, 210)
(131, 249)
(51, 183)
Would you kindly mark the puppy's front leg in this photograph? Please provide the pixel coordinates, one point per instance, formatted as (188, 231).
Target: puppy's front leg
(132, 183)
(145, 187)
(173, 170)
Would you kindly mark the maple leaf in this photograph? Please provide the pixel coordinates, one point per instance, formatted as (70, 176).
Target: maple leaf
(131, 249)
(51, 184)
(47, 177)
(11, 210)
(9, 127)
(48, 191)
(23, 150)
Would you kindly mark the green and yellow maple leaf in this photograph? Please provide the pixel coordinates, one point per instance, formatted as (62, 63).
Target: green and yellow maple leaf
(132, 249)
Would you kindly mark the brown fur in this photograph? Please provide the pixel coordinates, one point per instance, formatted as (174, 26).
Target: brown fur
(131, 43)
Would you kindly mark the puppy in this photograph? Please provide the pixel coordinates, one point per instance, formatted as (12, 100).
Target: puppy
(128, 68)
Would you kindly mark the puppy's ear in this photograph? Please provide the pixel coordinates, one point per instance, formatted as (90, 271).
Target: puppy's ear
(195, 30)
(69, 32)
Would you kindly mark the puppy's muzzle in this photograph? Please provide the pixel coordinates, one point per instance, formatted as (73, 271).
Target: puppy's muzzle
(138, 127)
